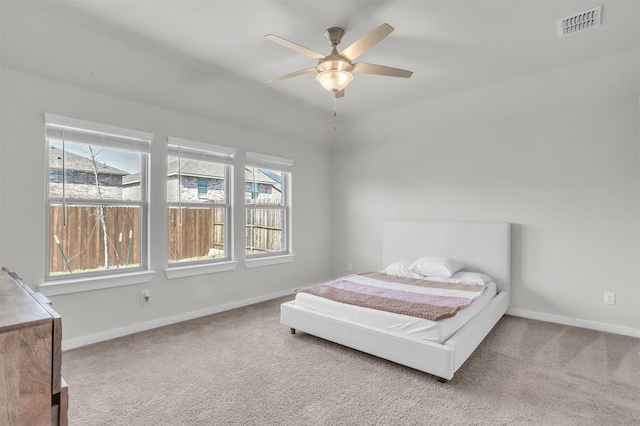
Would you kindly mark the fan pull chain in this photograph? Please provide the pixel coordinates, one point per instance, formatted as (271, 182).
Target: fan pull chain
(334, 113)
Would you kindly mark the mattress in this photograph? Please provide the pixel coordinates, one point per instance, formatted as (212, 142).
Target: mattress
(402, 325)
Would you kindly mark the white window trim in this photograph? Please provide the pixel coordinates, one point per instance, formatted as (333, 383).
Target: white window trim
(267, 260)
(58, 120)
(213, 153)
(284, 165)
(201, 269)
(268, 161)
(77, 285)
(219, 150)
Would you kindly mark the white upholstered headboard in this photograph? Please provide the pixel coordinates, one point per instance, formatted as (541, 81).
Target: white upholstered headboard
(482, 246)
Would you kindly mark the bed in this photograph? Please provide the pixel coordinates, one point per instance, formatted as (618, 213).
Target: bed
(482, 247)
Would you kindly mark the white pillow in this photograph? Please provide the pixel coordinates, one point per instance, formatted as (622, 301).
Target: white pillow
(401, 269)
(472, 277)
(435, 267)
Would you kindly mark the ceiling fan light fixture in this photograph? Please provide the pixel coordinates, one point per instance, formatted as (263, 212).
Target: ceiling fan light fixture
(334, 80)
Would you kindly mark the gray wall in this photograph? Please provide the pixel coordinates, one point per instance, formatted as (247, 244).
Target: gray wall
(95, 314)
(557, 154)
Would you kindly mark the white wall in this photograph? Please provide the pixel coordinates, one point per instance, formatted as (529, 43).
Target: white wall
(557, 154)
(92, 315)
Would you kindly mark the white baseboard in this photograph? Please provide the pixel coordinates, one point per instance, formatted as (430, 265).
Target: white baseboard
(160, 322)
(609, 328)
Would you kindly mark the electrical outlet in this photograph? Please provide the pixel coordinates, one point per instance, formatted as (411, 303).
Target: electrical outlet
(144, 296)
(349, 267)
(609, 298)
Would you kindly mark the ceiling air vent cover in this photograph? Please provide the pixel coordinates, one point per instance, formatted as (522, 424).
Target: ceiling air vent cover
(580, 22)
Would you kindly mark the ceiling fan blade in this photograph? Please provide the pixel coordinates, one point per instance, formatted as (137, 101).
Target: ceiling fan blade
(292, 74)
(294, 46)
(368, 40)
(339, 94)
(380, 70)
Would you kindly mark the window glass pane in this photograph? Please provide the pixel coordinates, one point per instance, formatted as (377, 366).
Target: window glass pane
(264, 232)
(93, 172)
(195, 181)
(203, 188)
(95, 238)
(196, 233)
(263, 186)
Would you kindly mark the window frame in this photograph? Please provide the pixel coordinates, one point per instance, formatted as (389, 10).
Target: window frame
(185, 148)
(284, 165)
(112, 137)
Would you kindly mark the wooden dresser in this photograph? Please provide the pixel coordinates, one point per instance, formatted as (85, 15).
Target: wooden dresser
(32, 391)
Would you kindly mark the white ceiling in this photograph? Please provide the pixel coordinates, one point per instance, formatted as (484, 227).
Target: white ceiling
(210, 58)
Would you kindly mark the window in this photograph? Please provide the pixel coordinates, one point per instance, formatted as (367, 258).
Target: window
(203, 188)
(198, 197)
(267, 205)
(97, 203)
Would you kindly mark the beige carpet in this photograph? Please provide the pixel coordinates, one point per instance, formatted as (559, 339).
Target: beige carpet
(243, 367)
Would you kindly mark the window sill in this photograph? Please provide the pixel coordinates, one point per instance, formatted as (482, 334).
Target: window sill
(78, 285)
(270, 260)
(191, 270)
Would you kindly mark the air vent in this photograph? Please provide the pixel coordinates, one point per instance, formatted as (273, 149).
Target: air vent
(580, 22)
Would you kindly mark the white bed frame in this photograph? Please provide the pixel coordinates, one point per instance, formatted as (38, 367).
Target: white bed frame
(481, 246)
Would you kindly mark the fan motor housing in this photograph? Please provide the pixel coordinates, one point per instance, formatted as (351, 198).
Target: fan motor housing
(340, 64)
(335, 61)
(334, 35)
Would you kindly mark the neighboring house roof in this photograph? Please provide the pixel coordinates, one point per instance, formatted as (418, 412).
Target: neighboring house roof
(260, 177)
(190, 167)
(196, 168)
(272, 175)
(78, 163)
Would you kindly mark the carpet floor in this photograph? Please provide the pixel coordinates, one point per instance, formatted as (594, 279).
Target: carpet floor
(242, 367)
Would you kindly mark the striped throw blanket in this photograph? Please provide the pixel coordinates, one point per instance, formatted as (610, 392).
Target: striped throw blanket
(419, 298)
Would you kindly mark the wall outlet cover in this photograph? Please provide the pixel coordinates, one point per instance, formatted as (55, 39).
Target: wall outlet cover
(609, 298)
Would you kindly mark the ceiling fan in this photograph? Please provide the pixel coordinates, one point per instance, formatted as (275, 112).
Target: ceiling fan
(334, 71)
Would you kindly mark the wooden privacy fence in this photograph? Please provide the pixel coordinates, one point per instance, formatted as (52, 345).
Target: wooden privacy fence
(200, 235)
(200, 230)
(263, 230)
(82, 237)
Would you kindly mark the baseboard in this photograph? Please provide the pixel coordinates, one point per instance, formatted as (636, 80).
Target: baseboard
(160, 322)
(609, 328)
